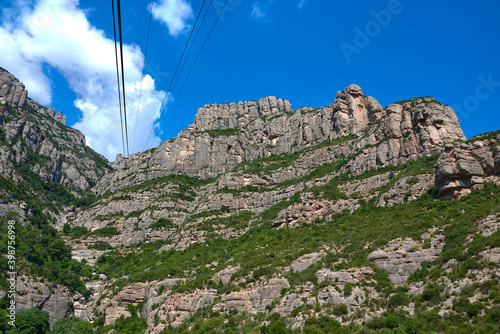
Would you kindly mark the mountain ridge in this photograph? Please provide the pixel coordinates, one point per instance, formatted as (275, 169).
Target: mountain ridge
(224, 135)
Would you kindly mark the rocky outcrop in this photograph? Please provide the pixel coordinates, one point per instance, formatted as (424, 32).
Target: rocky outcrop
(116, 307)
(224, 135)
(38, 138)
(352, 275)
(53, 299)
(401, 258)
(12, 92)
(352, 111)
(464, 167)
(305, 261)
(59, 117)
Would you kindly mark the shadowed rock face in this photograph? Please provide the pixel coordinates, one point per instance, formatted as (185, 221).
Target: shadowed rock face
(54, 300)
(224, 135)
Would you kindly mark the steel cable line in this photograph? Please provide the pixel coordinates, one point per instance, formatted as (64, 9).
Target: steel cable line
(118, 75)
(192, 67)
(142, 75)
(197, 57)
(192, 44)
(123, 72)
(173, 77)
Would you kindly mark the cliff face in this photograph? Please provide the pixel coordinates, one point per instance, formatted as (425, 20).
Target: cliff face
(464, 167)
(12, 91)
(38, 137)
(225, 135)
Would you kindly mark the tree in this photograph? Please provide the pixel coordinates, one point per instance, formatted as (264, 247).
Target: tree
(59, 249)
(72, 325)
(32, 321)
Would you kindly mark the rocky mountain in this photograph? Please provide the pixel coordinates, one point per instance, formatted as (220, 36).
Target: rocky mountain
(37, 137)
(259, 218)
(226, 135)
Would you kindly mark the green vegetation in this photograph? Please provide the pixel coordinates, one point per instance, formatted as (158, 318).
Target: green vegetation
(484, 136)
(181, 180)
(281, 113)
(135, 214)
(238, 221)
(424, 165)
(72, 325)
(318, 172)
(162, 223)
(107, 231)
(420, 100)
(41, 252)
(75, 232)
(265, 247)
(32, 321)
(340, 310)
(210, 213)
(424, 321)
(48, 194)
(272, 213)
(101, 245)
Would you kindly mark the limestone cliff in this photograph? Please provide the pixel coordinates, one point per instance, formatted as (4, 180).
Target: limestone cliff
(12, 91)
(464, 167)
(38, 137)
(225, 135)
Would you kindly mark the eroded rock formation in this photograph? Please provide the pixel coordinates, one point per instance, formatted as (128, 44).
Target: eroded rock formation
(464, 167)
(224, 135)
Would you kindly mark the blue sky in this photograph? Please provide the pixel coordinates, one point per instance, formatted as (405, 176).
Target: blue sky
(301, 50)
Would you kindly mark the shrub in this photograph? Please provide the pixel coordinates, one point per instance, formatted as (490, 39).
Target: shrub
(135, 214)
(107, 231)
(398, 299)
(72, 325)
(391, 322)
(101, 245)
(347, 289)
(60, 250)
(340, 310)
(162, 223)
(431, 293)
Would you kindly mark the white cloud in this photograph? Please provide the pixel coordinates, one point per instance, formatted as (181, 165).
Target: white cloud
(302, 3)
(58, 33)
(257, 11)
(260, 10)
(174, 14)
